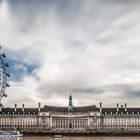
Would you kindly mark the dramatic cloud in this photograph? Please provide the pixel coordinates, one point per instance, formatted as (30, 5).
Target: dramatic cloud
(88, 47)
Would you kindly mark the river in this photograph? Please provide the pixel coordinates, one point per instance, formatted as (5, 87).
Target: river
(72, 138)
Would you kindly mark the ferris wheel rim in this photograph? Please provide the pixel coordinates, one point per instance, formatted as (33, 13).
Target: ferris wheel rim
(3, 76)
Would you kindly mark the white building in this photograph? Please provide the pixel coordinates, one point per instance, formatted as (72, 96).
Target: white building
(74, 119)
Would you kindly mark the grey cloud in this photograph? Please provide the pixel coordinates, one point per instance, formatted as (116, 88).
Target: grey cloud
(86, 47)
(62, 89)
(127, 91)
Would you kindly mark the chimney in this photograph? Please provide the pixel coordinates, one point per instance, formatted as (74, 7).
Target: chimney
(117, 107)
(39, 106)
(15, 107)
(22, 107)
(100, 107)
(125, 107)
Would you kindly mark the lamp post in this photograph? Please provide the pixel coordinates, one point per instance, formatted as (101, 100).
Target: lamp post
(3, 76)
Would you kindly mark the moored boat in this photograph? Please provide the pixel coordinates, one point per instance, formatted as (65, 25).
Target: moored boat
(57, 136)
(10, 134)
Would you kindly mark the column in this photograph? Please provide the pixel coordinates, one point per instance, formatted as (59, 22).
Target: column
(88, 121)
(60, 124)
(78, 123)
(74, 123)
(65, 123)
(51, 122)
(56, 123)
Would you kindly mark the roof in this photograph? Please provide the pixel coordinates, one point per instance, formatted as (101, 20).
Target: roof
(121, 111)
(65, 109)
(83, 109)
(113, 110)
(27, 111)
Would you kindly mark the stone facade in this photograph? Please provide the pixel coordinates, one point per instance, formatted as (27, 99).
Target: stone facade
(76, 119)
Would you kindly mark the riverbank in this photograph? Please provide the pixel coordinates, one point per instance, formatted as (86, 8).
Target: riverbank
(82, 133)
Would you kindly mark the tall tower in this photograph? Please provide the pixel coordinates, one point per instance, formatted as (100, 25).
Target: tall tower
(70, 103)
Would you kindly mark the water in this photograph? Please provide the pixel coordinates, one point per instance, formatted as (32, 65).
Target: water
(72, 138)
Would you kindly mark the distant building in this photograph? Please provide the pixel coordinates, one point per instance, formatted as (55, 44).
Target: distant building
(74, 119)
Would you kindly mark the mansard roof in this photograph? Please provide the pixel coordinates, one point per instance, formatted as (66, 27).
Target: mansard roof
(74, 109)
(113, 110)
(29, 111)
(83, 109)
(121, 111)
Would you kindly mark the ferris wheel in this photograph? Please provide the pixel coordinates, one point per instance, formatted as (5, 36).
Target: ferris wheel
(3, 76)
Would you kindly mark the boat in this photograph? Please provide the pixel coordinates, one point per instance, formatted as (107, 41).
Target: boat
(57, 136)
(10, 134)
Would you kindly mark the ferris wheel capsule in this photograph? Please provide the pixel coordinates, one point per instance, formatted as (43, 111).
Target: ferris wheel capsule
(6, 64)
(7, 85)
(8, 75)
(3, 54)
(5, 95)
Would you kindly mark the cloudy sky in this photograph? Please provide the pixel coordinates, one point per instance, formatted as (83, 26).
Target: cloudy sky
(90, 48)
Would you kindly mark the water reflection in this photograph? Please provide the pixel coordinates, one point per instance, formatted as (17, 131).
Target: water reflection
(70, 138)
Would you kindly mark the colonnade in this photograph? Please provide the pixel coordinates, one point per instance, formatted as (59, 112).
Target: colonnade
(69, 123)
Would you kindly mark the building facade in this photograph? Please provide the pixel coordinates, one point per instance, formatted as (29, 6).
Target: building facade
(74, 119)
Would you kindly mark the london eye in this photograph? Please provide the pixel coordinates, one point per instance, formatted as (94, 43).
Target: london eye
(3, 76)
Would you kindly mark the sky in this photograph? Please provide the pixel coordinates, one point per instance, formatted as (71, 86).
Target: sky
(89, 48)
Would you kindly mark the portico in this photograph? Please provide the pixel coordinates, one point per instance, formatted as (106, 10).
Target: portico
(71, 118)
